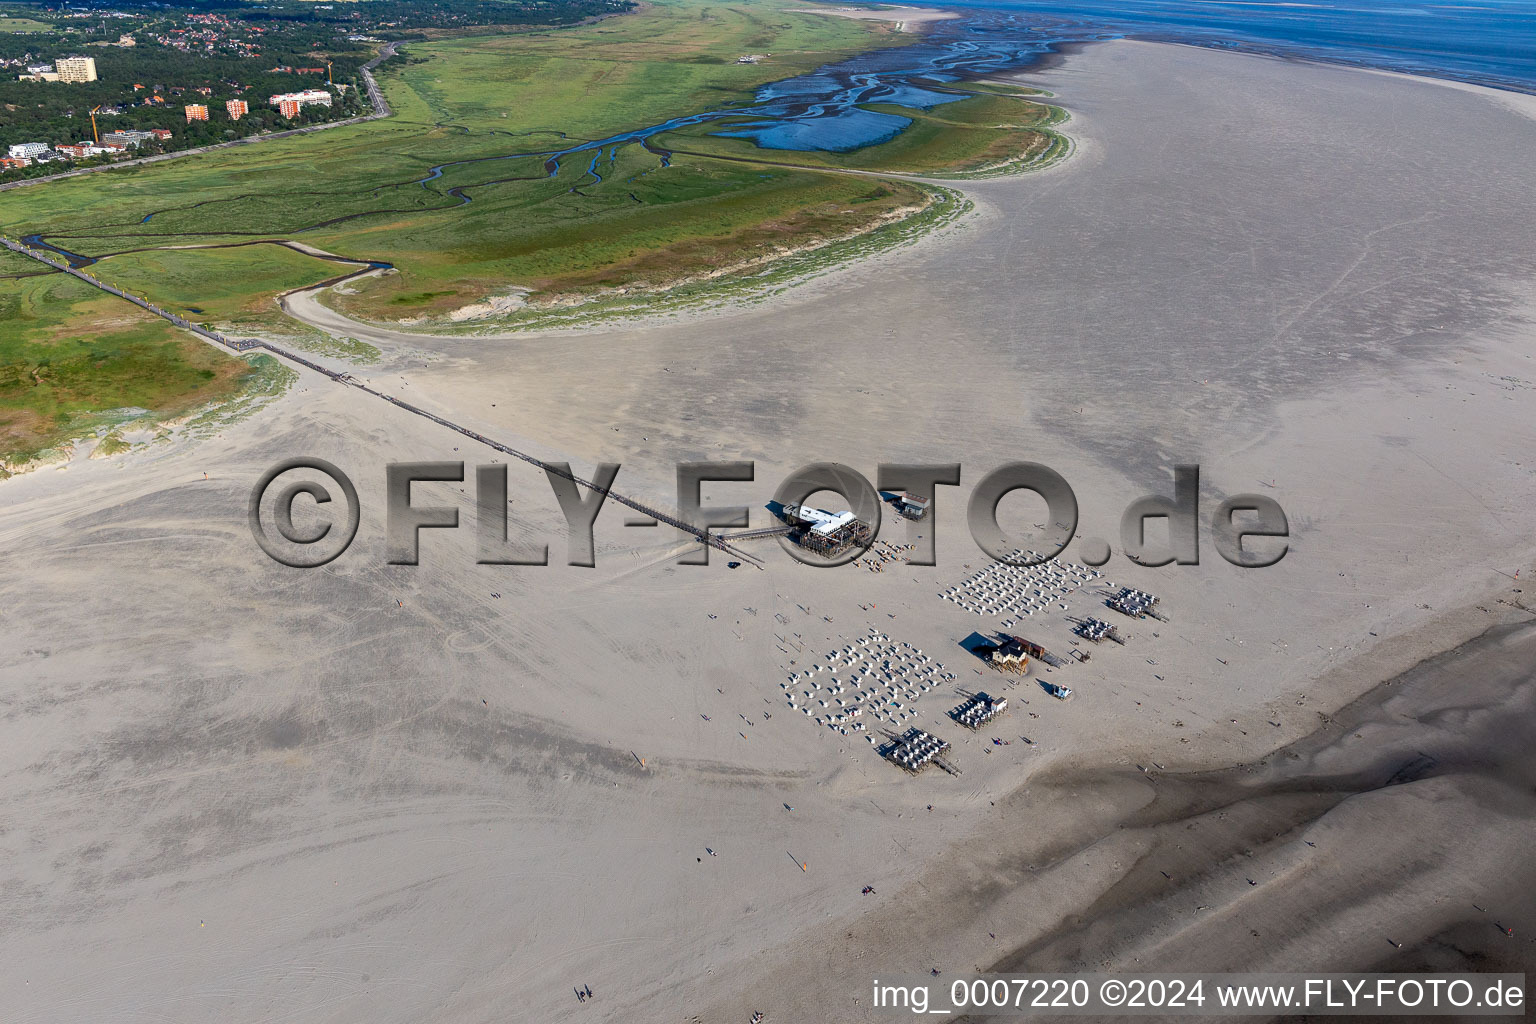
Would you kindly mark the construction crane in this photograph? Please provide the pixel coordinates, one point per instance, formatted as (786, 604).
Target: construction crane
(94, 133)
(328, 74)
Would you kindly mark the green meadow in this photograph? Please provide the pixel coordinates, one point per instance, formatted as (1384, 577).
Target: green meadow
(218, 285)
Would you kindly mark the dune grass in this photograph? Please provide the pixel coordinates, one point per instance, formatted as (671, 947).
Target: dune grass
(72, 358)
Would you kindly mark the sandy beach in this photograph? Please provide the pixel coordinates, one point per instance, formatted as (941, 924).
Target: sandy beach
(453, 792)
(907, 19)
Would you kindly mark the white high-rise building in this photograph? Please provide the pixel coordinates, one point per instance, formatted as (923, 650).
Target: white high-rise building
(28, 150)
(302, 99)
(76, 69)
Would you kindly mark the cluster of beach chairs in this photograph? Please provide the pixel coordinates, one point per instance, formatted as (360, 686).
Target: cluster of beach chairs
(915, 750)
(1015, 592)
(1133, 602)
(1097, 630)
(978, 710)
(873, 676)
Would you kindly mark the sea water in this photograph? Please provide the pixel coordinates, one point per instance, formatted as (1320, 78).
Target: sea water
(1489, 42)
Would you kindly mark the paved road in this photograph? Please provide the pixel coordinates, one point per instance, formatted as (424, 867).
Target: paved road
(376, 100)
